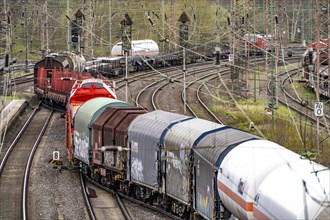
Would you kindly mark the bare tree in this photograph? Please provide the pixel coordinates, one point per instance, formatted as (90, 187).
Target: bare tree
(293, 20)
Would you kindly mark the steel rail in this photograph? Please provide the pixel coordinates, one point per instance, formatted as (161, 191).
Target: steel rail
(29, 162)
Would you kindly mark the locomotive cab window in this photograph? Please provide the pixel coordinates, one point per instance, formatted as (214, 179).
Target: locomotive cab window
(252, 38)
(49, 77)
(95, 84)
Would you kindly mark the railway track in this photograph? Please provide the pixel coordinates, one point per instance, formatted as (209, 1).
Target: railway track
(147, 77)
(102, 205)
(16, 163)
(155, 102)
(194, 100)
(26, 78)
(301, 105)
(297, 103)
(168, 75)
(125, 202)
(150, 97)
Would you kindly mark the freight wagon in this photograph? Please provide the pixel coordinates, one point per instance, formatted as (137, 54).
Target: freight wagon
(310, 71)
(56, 74)
(195, 168)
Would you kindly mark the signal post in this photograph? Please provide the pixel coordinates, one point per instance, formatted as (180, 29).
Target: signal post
(126, 29)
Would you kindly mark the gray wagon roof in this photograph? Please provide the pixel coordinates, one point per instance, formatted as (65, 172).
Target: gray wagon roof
(187, 132)
(217, 142)
(155, 121)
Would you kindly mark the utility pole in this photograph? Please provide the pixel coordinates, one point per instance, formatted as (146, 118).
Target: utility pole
(273, 34)
(79, 24)
(246, 28)
(273, 27)
(303, 30)
(325, 33)
(7, 70)
(126, 30)
(277, 47)
(238, 63)
(233, 25)
(267, 21)
(323, 7)
(310, 37)
(254, 60)
(183, 22)
(110, 24)
(88, 34)
(163, 27)
(26, 37)
(317, 71)
(172, 21)
(328, 80)
(218, 45)
(68, 25)
(44, 32)
(92, 26)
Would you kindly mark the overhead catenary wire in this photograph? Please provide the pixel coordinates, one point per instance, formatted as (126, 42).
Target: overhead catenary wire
(284, 62)
(170, 42)
(168, 24)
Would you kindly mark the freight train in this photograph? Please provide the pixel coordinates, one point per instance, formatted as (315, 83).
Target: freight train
(145, 55)
(194, 168)
(142, 54)
(56, 75)
(309, 69)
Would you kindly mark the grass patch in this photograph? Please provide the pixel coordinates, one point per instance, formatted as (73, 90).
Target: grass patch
(18, 96)
(299, 137)
(236, 115)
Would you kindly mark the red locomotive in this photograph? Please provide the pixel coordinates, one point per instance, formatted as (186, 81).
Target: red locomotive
(81, 92)
(323, 44)
(60, 80)
(257, 44)
(56, 74)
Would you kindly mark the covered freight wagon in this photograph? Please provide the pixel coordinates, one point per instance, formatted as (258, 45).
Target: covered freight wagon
(179, 141)
(143, 136)
(84, 118)
(106, 132)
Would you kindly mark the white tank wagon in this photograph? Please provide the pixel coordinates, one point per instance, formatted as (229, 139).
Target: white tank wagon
(272, 182)
(145, 48)
(302, 193)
